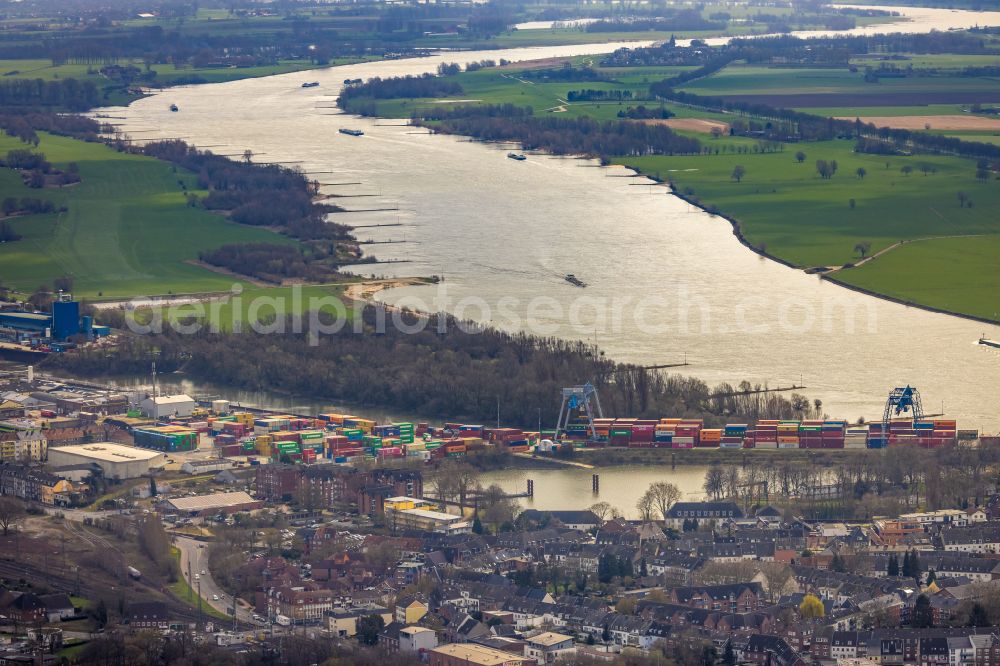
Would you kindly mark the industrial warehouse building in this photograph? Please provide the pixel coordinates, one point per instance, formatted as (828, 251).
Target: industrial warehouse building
(63, 322)
(206, 466)
(166, 406)
(117, 461)
(207, 505)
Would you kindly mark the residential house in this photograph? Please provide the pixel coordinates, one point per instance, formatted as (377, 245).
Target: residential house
(34, 485)
(677, 567)
(22, 441)
(25, 607)
(409, 610)
(300, 603)
(582, 520)
(734, 598)
(772, 650)
(417, 639)
(343, 622)
(58, 607)
(148, 615)
(983, 538)
(702, 512)
(547, 647)
(847, 644)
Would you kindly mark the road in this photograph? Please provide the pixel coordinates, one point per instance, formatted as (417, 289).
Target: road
(193, 553)
(189, 549)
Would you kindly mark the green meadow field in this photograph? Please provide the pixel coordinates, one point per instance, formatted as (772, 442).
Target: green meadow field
(754, 80)
(127, 231)
(953, 274)
(806, 220)
(493, 86)
(929, 60)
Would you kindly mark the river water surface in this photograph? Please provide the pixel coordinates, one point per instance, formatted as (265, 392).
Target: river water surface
(666, 281)
(571, 488)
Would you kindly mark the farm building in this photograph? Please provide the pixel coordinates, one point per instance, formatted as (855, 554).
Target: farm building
(117, 461)
(164, 406)
(206, 505)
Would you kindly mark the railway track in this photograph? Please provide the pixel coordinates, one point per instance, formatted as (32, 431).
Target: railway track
(36, 575)
(66, 582)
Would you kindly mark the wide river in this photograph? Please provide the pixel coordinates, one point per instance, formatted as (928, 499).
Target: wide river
(666, 281)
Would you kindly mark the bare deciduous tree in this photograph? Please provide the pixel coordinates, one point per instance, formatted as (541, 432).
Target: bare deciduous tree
(602, 510)
(646, 505)
(11, 513)
(664, 495)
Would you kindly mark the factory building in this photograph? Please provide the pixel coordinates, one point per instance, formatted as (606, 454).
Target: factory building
(38, 328)
(117, 461)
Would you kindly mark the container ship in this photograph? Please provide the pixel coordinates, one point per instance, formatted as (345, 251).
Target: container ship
(351, 132)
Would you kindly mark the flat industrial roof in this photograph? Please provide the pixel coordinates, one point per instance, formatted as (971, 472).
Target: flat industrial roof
(434, 515)
(478, 654)
(30, 316)
(549, 638)
(414, 630)
(108, 452)
(215, 500)
(171, 399)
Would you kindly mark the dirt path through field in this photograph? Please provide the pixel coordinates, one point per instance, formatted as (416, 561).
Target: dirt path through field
(862, 262)
(692, 124)
(944, 122)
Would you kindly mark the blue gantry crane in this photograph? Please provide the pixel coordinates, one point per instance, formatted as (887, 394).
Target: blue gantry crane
(584, 400)
(902, 401)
